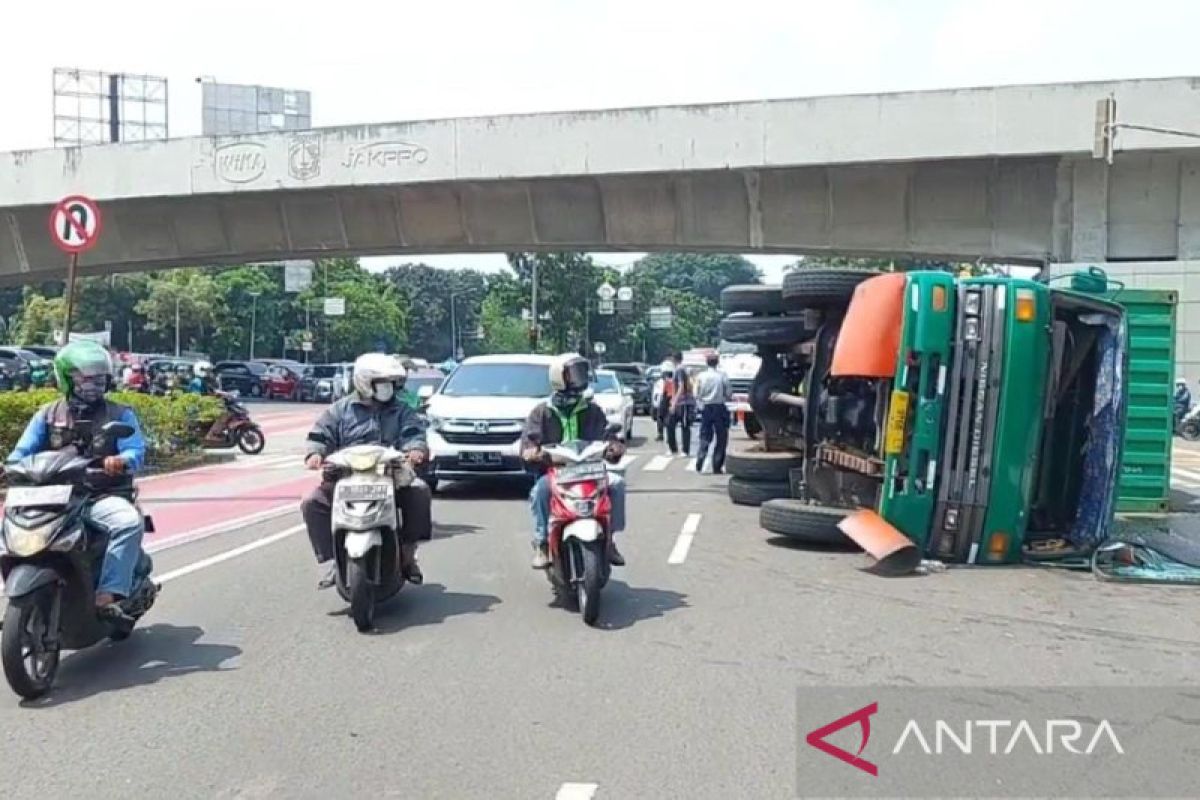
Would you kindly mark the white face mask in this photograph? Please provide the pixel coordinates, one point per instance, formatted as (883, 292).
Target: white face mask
(384, 392)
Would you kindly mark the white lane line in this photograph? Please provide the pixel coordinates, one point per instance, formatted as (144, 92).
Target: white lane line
(577, 791)
(683, 544)
(228, 554)
(626, 460)
(219, 527)
(271, 462)
(657, 464)
(1185, 474)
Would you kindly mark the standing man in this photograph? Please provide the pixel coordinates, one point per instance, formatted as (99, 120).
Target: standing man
(712, 393)
(683, 408)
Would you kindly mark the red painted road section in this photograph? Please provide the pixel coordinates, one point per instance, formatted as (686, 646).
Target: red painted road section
(178, 514)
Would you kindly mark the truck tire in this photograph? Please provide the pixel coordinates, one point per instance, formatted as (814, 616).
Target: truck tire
(818, 288)
(754, 493)
(765, 331)
(806, 523)
(752, 298)
(755, 464)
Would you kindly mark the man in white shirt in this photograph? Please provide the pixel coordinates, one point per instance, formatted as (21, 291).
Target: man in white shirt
(712, 393)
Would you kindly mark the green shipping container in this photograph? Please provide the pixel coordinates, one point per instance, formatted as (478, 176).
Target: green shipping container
(1149, 429)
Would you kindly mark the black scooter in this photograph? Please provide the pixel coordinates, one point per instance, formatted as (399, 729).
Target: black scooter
(50, 563)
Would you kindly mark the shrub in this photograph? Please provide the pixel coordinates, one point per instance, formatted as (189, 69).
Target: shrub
(173, 425)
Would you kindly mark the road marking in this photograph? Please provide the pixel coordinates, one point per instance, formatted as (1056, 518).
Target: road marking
(271, 462)
(657, 464)
(217, 527)
(1183, 473)
(577, 791)
(683, 544)
(626, 460)
(228, 554)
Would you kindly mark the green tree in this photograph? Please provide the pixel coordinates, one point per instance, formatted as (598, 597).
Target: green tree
(38, 318)
(427, 291)
(702, 274)
(376, 314)
(184, 297)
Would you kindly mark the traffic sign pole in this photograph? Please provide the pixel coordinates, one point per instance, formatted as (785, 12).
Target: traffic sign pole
(74, 227)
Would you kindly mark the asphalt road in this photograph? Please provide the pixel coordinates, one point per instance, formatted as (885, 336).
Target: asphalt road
(244, 681)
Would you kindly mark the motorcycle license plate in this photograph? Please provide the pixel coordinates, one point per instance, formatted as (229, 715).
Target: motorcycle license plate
(364, 491)
(19, 496)
(897, 419)
(588, 471)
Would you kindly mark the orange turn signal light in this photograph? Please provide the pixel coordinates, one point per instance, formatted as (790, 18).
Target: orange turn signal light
(939, 298)
(997, 544)
(1026, 305)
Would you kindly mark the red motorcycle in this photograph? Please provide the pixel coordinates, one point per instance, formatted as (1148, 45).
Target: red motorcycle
(580, 532)
(239, 430)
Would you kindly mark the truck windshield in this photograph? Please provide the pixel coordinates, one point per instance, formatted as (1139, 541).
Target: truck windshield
(499, 380)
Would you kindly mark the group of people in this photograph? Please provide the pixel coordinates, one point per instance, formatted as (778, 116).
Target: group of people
(678, 400)
(372, 414)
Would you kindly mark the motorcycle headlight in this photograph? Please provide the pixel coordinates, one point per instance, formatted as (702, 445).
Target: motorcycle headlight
(361, 462)
(25, 542)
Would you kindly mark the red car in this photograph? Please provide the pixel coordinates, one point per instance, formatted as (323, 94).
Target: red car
(281, 382)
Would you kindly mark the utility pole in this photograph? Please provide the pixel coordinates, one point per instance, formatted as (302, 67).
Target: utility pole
(253, 319)
(453, 329)
(177, 326)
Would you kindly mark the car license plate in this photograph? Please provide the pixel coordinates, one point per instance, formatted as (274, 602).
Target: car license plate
(897, 420)
(587, 471)
(480, 458)
(364, 491)
(19, 496)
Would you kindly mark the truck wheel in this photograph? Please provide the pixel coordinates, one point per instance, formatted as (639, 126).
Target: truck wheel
(752, 426)
(754, 493)
(756, 464)
(803, 522)
(752, 298)
(816, 287)
(765, 331)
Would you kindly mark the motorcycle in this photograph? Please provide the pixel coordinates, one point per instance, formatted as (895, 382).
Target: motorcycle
(580, 528)
(1188, 425)
(239, 429)
(50, 563)
(366, 526)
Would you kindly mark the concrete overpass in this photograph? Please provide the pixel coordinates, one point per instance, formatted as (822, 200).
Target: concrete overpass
(999, 173)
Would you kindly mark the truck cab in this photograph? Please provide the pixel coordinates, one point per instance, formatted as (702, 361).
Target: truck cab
(981, 416)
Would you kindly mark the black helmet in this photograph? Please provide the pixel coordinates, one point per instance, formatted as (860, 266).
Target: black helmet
(570, 373)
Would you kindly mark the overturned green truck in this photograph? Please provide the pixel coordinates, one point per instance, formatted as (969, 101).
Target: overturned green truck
(980, 416)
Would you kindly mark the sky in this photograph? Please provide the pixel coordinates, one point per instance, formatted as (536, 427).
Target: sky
(392, 61)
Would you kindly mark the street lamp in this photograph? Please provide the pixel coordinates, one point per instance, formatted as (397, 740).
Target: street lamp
(177, 296)
(454, 325)
(253, 319)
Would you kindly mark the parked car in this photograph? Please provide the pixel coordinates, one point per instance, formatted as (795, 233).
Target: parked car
(282, 381)
(44, 350)
(635, 376)
(243, 377)
(615, 398)
(16, 366)
(476, 416)
(324, 383)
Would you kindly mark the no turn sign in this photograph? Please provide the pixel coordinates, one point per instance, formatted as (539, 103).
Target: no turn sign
(75, 224)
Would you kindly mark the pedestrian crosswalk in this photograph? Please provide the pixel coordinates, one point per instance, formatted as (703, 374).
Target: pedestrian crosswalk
(644, 462)
(1185, 469)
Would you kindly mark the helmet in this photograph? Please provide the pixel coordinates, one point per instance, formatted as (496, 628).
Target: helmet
(376, 368)
(1180, 382)
(667, 367)
(202, 369)
(570, 373)
(83, 370)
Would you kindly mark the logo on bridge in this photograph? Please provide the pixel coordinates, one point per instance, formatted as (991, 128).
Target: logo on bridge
(384, 154)
(304, 156)
(239, 162)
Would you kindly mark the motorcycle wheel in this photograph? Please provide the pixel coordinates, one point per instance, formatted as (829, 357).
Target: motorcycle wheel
(251, 441)
(1190, 430)
(29, 666)
(362, 595)
(587, 588)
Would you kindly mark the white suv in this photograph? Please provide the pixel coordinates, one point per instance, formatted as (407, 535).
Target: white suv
(476, 416)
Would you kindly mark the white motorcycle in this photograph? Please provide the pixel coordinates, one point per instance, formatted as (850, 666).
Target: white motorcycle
(366, 527)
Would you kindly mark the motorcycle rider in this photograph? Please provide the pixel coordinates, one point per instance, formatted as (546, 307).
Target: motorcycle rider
(373, 414)
(1183, 399)
(203, 381)
(568, 415)
(84, 373)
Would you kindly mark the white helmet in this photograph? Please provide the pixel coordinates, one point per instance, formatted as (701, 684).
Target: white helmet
(378, 376)
(667, 367)
(202, 369)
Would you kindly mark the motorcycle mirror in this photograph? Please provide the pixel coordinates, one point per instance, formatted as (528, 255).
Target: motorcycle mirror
(117, 430)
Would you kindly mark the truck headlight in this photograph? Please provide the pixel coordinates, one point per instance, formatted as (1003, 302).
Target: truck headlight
(971, 304)
(971, 330)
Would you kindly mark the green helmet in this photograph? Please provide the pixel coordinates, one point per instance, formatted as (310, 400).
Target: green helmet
(86, 362)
